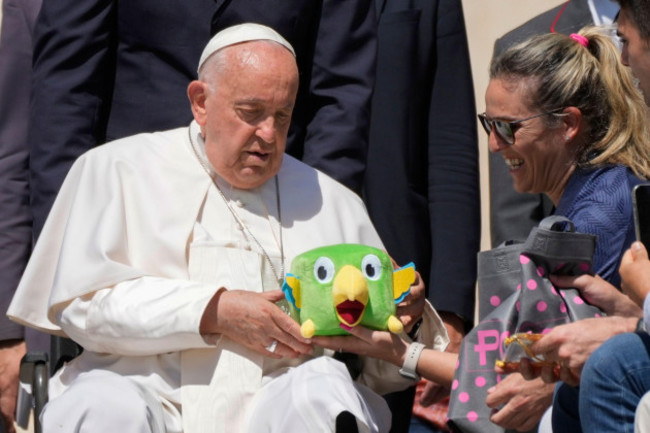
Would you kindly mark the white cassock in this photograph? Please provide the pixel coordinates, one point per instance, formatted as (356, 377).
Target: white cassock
(138, 242)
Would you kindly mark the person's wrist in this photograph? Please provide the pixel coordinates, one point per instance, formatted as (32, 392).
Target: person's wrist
(630, 324)
(409, 366)
(210, 319)
(625, 307)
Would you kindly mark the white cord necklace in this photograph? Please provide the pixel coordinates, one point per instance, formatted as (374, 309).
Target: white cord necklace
(249, 235)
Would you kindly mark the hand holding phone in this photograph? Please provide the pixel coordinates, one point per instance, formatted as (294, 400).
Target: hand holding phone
(641, 203)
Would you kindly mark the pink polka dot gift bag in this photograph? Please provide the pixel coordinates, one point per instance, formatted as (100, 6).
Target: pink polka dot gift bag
(515, 296)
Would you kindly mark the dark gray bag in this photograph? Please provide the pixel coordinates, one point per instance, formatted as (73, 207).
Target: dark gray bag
(515, 295)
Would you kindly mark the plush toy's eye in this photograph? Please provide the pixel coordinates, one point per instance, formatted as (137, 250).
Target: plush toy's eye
(324, 270)
(371, 267)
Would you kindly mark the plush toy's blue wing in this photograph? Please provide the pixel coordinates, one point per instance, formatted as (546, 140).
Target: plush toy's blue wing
(291, 289)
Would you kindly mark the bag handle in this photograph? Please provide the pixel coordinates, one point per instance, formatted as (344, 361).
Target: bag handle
(555, 222)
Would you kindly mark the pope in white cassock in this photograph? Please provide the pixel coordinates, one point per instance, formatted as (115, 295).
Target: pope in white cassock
(162, 257)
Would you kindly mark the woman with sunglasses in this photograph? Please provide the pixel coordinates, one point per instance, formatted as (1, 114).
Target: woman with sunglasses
(567, 118)
(570, 123)
(565, 115)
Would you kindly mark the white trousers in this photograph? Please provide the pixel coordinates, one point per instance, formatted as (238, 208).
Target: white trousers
(308, 398)
(304, 399)
(101, 401)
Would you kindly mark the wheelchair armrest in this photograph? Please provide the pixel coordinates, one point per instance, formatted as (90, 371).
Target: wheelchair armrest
(34, 376)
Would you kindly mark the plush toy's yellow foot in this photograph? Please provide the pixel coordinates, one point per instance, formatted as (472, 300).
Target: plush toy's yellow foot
(394, 325)
(308, 329)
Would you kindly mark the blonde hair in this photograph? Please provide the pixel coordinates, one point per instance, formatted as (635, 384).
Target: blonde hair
(561, 72)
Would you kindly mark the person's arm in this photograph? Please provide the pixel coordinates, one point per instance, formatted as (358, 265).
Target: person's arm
(599, 293)
(73, 74)
(142, 316)
(152, 315)
(342, 79)
(432, 364)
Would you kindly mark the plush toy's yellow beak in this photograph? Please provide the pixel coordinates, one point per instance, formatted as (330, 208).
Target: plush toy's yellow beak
(350, 293)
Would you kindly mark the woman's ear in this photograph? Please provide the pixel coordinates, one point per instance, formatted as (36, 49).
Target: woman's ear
(572, 122)
(197, 92)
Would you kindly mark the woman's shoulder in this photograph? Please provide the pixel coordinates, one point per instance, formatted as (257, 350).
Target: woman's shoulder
(606, 183)
(605, 191)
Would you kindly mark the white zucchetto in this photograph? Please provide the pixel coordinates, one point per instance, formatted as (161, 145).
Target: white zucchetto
(242, 33)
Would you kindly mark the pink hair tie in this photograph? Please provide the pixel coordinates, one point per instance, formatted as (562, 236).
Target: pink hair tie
(579, 39)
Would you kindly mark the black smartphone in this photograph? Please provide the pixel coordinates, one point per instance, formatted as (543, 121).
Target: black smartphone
(641, 201)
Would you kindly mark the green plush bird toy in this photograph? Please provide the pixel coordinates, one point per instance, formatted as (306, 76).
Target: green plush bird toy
(346, 284)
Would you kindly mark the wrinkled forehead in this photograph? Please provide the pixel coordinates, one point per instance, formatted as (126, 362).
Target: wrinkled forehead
(249, 62)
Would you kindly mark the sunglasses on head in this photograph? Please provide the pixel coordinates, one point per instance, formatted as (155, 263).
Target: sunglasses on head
(506, 128)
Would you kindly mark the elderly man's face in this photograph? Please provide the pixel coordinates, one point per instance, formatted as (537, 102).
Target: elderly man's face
(636, 52)
(248, 112)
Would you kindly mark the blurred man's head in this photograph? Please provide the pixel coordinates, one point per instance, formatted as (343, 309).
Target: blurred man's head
(634, 31)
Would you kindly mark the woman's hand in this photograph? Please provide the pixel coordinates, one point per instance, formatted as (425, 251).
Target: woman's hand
(367, 342)
(410, 310)
(599, 293)
(433, 365)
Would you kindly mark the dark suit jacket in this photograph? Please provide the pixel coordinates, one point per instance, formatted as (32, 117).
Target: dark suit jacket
(512, 214)
(18, 17)
(105, 69)
(421, 185)
(335, 44)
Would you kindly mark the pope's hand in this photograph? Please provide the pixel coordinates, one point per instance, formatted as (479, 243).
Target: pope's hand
(253, 320)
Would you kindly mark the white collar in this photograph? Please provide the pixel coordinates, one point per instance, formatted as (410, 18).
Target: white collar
(198, 144)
